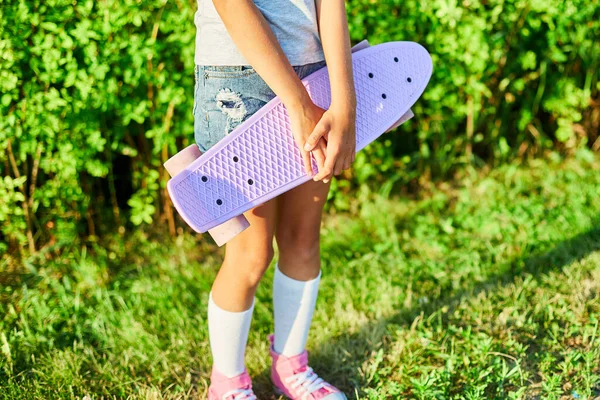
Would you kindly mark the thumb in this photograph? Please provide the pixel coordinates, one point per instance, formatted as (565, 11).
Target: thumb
(320, 130)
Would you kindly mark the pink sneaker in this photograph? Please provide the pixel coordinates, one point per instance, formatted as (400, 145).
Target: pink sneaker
(236, 388)
(294, 379)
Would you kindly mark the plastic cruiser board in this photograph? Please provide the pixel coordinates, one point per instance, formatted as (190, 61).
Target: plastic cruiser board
(259, 159)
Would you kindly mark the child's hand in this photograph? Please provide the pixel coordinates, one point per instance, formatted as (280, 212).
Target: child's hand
(338, 127)
(303, 120)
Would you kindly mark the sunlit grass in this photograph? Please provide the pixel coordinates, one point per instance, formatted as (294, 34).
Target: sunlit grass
(484, 289)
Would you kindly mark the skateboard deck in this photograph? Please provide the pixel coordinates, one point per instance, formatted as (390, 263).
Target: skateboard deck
(259, 159)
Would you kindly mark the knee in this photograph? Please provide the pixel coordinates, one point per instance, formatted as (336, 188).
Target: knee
(251, 263)
(300, 243)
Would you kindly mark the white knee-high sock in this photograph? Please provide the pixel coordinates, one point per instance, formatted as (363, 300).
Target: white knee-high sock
(293, 304)
(228, 334)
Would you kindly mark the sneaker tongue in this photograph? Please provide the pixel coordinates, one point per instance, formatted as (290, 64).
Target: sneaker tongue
(243, 382)
(298, 363)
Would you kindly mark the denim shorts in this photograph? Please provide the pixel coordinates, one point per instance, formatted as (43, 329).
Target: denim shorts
(225, 96)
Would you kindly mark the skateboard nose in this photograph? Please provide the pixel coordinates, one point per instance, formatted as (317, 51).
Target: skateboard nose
(422, 68)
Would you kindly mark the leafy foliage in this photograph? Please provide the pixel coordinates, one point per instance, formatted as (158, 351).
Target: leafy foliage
(96, 95)
(510, 78)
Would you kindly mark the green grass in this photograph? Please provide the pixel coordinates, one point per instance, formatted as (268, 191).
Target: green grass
(487, 288)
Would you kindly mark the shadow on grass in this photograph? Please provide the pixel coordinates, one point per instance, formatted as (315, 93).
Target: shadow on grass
(356, 346)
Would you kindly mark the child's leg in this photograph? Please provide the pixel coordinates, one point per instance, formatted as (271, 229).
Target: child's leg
(230, 307)
(296, 282)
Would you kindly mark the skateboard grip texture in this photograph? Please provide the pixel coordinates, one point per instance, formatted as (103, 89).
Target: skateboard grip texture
(260, 160)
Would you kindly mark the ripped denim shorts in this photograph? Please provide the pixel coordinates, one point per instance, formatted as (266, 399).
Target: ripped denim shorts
(225, 96)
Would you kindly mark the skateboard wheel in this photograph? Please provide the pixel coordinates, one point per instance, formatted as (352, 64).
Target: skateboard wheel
(223, 233)
(227, 230)
(409, 114)
(181, 160)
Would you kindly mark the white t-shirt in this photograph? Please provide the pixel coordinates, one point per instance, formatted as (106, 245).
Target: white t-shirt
(294, 23)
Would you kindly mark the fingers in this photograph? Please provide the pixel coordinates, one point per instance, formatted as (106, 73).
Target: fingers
(339, 166)
(320, 130)
(307, 162)
(334, 165)
(347, 162)
(319, 154)
(329, 169)
(325, 173)
(320, 158)
(338, 156)
(343, 164)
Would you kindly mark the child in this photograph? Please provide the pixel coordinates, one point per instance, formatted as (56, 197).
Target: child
(247, 52)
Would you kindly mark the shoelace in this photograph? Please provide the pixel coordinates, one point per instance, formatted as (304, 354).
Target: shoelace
(240, 394)
(306, 381)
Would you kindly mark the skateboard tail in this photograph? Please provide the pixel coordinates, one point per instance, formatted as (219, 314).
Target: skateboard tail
(221, 234)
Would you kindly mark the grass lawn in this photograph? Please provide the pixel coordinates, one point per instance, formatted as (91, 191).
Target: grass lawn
(484, 289)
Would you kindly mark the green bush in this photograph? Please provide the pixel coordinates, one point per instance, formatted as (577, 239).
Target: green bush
(510, 78)
(94, 96)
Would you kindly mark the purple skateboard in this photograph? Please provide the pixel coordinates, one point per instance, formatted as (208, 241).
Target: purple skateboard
(259, 160)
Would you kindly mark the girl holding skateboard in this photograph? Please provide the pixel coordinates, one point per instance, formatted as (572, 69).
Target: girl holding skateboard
(248, 52)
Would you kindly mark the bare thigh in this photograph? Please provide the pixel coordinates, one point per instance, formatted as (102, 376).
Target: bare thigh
(247, 257)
